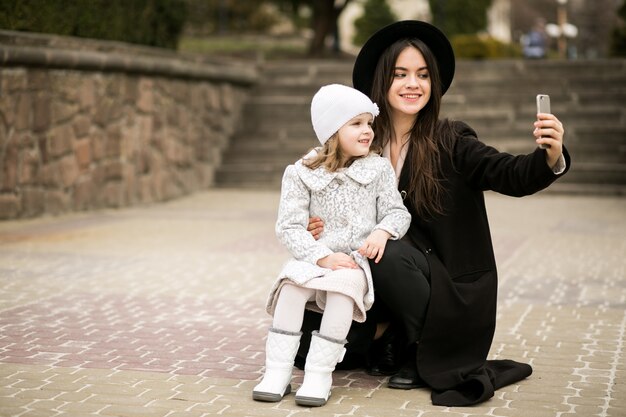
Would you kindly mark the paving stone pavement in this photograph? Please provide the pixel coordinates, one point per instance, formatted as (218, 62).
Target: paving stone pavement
(159, 311)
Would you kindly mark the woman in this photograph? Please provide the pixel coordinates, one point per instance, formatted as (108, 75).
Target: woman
(439, 285)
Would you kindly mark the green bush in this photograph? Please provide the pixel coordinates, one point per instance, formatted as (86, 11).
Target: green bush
(148, 22)
(477, 47)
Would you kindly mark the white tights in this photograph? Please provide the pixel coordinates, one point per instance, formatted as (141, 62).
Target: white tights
(289, 311)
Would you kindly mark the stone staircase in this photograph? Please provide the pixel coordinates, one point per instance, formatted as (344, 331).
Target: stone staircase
(497, 98)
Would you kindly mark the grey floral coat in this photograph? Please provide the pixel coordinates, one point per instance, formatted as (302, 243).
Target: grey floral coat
(352, 202)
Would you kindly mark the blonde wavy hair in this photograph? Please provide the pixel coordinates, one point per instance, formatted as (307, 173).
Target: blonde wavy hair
(331, 157)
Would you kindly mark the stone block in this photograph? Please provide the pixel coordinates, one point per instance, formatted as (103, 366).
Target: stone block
(212, 98)
(56, 202)
(145, 129)
(41, 112)
(145, 101)
(81, 125)
(102, 111)
(84, 191)
(8, 168)
(113, 143)
(26, 140)
(13, 79)
(60, 140)
(169, 189)
(29, 167)
(62, 111)
(24, 111)
(113, 170)
(49, 175)
(131, 185)
(38, 79)
(173, 116)
(97, 140)
(9, 206)
(98, 178)
(145, 189)
(142, 165)
(33, 201)
(206, 175)
(195, 99)
(7, 109)
(68, 167)
(227, 98)
(179, 90)
(130, 88)
(87, 95)
(184, 120)
(82, 150)
(113, 195)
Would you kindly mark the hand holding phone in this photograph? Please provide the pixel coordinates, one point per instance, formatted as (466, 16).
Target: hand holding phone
(543, 106)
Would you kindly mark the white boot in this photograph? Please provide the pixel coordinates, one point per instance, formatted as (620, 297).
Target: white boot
(323, 356)
(280, 351)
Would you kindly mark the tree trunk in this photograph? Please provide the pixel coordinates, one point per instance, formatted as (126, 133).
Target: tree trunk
(325, 15)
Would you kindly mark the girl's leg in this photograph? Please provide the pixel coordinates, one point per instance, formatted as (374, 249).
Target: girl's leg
(327, 349)
(282, 344)
(337, 316)
(289, 310)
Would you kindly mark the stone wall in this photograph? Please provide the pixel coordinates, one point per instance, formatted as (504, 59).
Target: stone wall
(87, 125)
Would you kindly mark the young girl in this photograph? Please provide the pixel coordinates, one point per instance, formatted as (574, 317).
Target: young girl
(355, 191)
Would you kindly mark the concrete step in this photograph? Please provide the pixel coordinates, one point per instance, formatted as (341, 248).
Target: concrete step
(596, 173)
(497, 98)
(496, 69)
(269, 174)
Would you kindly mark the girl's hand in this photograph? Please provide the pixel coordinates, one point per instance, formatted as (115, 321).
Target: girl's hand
(548, 126)
(374, 245)
(315, 227)
(337, 260)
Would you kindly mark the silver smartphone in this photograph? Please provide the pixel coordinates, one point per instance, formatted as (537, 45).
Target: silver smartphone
(543, 106)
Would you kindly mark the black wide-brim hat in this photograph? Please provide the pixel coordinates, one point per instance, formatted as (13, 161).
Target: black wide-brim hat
(367, 60)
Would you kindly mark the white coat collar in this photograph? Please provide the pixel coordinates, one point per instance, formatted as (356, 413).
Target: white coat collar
(363, 171)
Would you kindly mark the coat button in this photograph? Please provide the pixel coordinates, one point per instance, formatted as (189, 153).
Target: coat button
(427, 251)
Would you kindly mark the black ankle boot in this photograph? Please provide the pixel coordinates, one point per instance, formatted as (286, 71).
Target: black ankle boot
(384, 358)
(407, 377)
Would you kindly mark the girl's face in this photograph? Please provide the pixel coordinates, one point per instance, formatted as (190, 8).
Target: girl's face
(410, 89)
(355, 137)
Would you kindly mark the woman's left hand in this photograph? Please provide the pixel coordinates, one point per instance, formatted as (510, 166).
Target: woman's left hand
(549, 130)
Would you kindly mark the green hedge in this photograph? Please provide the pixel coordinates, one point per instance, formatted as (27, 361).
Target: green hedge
(477, 47)
(147, 22)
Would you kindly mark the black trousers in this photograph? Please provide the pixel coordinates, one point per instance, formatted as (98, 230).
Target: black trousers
(402, 287)
(402, 291)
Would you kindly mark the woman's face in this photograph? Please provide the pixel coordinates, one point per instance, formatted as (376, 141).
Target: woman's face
(410, 89)
(355, 137)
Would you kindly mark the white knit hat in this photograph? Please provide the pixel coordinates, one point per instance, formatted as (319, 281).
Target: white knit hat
(334, 105)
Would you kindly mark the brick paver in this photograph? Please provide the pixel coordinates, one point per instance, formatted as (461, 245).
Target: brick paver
(159, 311)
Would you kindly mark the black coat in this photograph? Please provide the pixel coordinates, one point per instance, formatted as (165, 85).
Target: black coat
(460, 322)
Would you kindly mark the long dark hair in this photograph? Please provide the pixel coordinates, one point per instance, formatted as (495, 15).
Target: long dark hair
(425, 136)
